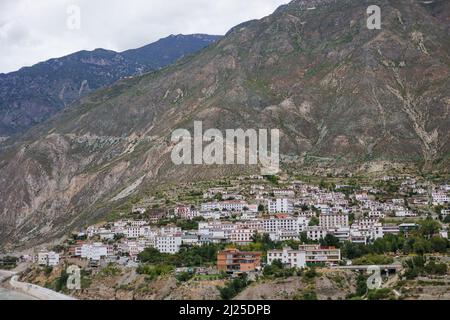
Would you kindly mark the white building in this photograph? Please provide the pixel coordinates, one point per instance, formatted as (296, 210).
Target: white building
(398, 201)
(316, 233)
(306, 254)
(95, 251)
(284, 193)
(138, 210)
(133, 248)
(133, 232)
(280, 206)
(190, 239)
(334, 220)
(50, 258)
(284, 235)
(242, 236)
(168, 244)
(230, 205)
(404, 213)
(440, 198)
(285, 223)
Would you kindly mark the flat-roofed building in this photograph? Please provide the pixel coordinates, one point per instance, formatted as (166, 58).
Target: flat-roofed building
(233, 260)
(333, 220)
(305, 255)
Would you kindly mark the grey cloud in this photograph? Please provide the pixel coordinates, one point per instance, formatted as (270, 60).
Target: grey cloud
(32, 31)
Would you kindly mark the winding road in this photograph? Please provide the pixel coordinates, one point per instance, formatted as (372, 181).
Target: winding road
(16, 290)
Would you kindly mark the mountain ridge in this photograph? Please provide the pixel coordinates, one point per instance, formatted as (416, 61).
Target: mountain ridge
(33, 94)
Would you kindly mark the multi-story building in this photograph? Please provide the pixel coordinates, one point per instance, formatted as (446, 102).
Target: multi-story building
(403, 212)
(284, 235)
(50, 258)
(168, 243)
(242, 235)
(440, 198)
(285, 223)
(284, 193)
(233, 260)
(230, 205)
(334, 220)
(305, 255)
(133, 248)
(95, 251)
(343, 234)
(133, 232)
(280, 206)
(316, 233)
(391, 229)
(183, 212)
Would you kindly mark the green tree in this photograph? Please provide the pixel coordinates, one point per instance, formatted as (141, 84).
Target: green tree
(429, 228)
(184, 276)
(233, 287)
(421, 246)
(439, 244)
(434, 268)
(330, 241)
(313, 222)
(361, 285)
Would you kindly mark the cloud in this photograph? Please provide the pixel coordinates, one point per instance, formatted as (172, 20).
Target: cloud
(33, 31)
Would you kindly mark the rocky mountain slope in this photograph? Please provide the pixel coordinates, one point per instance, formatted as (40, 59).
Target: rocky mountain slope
(342, 95)
(33, 94)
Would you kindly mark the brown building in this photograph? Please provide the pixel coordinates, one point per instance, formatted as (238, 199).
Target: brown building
(233, 260)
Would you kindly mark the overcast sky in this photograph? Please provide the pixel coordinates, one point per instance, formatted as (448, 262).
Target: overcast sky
(33, 31)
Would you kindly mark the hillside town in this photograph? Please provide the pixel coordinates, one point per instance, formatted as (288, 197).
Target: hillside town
(296, 211)
(249, 225)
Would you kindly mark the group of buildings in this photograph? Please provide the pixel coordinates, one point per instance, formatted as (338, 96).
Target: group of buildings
(236, 261)
(237, 216)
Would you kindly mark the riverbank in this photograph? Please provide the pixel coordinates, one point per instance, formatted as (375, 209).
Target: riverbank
(6, 292)
(12, 289)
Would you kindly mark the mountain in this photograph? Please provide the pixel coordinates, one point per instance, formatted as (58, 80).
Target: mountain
(33, 94)
(346, 99)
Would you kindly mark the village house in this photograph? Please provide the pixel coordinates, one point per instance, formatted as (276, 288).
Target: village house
(242, 235)
(334, 220)
(138, 210)
(230, 205)
(281, 193)
(305, 255)
(440, 198)
(285, 223)
(168, 243)
(403, 212)
(281, 205)
(235, 261)
(48, 258)
(316, 233)
(94, 251)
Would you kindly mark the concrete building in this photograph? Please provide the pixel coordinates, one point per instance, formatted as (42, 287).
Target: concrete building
(305, 255)
(280, 206)
(333, 220)
(50, 258)
(285, 223)
(316, 233)
(233, 260)
(168, 244)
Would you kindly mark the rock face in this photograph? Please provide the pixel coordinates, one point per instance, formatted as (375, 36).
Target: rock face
(31, 95)
(339, 92)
